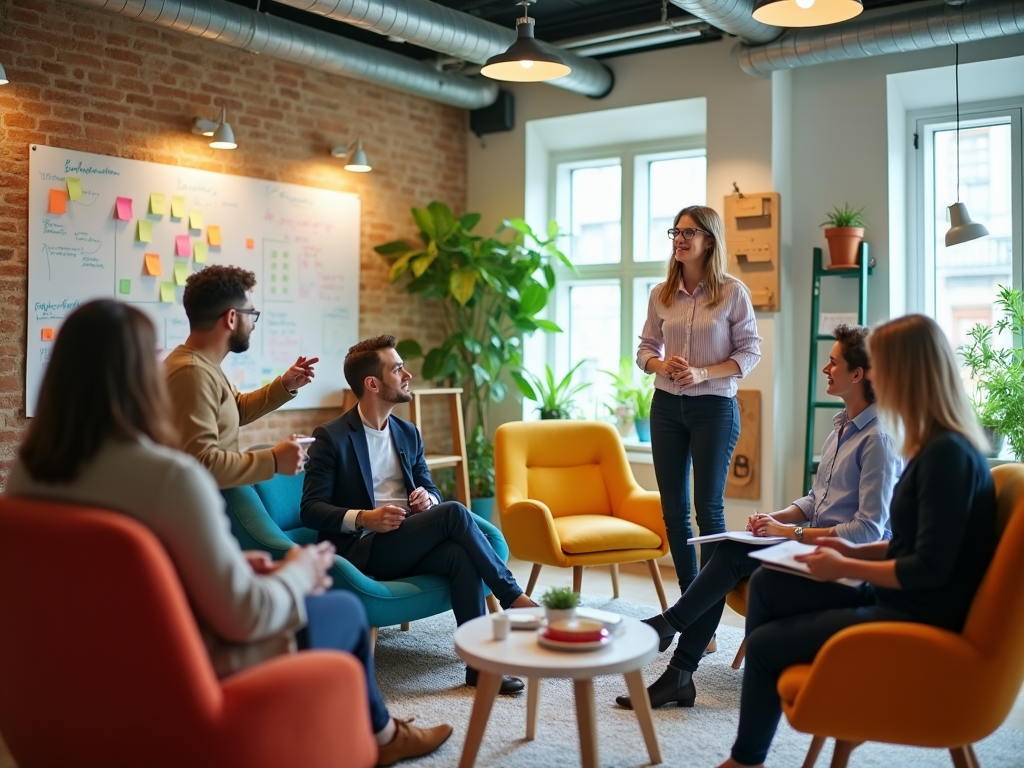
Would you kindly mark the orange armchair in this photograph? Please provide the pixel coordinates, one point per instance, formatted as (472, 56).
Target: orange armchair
(879, 681)
(102, 663)
(567, 498)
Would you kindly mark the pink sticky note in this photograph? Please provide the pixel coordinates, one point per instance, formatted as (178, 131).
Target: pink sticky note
(124, 208)
(58, 201)
(183, 245)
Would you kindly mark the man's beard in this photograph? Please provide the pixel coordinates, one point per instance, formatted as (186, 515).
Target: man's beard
(393, 395)
(238, 342)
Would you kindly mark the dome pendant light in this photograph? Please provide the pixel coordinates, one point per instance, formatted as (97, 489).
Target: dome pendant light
(223, 136)
(526, 60)
(806, 13)
(961, 229)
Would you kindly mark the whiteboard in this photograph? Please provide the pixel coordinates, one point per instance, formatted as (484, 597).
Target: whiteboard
(107, 227)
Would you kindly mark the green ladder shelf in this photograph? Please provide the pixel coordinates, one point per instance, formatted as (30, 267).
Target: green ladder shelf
(860, 274)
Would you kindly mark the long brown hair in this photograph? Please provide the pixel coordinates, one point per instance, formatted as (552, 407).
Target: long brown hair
(103, 381)
(714, 262)
(917, 382)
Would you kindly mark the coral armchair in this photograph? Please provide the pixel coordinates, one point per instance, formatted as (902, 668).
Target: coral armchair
(102, 663)
(567, 498)
(885, 681)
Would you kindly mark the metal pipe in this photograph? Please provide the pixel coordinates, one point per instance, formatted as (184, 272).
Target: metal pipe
(632, 43)
(640, 29)
(732, 16)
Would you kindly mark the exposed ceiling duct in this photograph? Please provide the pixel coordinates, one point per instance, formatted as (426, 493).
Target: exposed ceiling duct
(451, 32)
(731, 16)
(240, 27)
(931, 27)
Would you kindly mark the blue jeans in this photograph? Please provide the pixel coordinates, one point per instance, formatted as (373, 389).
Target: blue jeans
(337, 621)
(701, 431)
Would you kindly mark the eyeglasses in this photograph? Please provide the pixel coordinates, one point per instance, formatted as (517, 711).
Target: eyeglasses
(687, 233)
(254, 313)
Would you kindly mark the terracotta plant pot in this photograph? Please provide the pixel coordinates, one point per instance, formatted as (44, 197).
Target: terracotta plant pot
(843, 246)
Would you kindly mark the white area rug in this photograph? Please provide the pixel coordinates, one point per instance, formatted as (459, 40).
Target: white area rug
(419, 674)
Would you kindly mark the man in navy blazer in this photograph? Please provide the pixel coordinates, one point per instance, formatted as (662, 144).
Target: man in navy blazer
(369, 491)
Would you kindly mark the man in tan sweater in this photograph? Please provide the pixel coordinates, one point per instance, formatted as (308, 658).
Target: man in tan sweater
(208, 410)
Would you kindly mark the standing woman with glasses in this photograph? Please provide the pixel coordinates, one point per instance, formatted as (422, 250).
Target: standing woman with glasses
(699, 338)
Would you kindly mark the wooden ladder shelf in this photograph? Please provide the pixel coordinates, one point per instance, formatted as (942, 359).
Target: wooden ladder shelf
(457, 458)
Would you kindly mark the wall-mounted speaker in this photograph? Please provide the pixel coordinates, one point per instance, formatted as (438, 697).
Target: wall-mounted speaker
(498, 117)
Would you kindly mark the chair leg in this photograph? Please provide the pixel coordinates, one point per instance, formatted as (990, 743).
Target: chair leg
(813, 751)
(975, 762)
(841, 755)
(373, 639)
(964, 757)
(493, 606)
(405, 626)
(652, 565)
(534, 573)
(739, 658)
(615, 580)
(577, 578)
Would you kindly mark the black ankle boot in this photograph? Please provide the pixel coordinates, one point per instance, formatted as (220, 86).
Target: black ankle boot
(665, 631)
(674, 685)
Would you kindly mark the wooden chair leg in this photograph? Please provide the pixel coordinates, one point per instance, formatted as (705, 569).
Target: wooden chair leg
(841, 755)
(373, 639)
(813, 751)
(652, 565)
(739, 660)
(533, 579)
(492, 604)
(615, 580)
(405, 626)
(975, 762)
(577, 578)
(964, 757)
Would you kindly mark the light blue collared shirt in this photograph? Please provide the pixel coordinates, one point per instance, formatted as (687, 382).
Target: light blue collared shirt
(853, 487)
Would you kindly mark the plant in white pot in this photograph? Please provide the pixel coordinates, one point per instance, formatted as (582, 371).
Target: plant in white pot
(622, 406)
(559, 603)
(844, 231)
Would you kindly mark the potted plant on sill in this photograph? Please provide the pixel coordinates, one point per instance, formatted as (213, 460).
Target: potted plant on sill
(643, 396)
(559, 603)
(554, 401)
(844, 231)
(623, 409)
(997, 374)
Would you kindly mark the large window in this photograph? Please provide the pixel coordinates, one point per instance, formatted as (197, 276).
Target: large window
(616, 205)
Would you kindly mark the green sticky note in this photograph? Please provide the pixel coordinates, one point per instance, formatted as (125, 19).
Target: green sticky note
(145, 231)
(178, 206)
(181, 272)
(156, 203)
(195, 219)
(126, 286)
(199, 251)
(167, 293)
(74, 188)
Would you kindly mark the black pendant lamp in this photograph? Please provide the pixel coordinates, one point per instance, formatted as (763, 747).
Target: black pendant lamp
(806, 13)
(961, 228)
(525, 61)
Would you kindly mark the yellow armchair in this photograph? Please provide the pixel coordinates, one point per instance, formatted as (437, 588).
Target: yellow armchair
(567, 498)
(890, 681)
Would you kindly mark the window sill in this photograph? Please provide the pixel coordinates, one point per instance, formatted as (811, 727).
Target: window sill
(637, 452)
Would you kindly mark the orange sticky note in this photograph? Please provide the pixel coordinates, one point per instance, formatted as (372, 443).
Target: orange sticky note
(213, 234)
(250, 243)
(47, 334)
(58, 201)
(153, 264)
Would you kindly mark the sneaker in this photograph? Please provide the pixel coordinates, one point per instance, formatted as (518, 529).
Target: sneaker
(411, 741)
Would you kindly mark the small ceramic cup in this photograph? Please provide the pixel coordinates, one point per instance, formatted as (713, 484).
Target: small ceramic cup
(500, 625)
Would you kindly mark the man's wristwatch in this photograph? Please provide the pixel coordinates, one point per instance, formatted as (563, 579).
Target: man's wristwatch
(359, 521)
(798, 531)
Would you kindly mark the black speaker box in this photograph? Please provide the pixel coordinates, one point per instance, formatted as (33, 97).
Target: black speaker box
(498, 117)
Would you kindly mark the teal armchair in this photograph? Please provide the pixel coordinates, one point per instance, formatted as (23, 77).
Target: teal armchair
(266, 516)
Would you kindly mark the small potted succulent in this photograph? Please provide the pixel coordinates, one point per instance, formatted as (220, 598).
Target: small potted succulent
(559, 603)
(844, 231)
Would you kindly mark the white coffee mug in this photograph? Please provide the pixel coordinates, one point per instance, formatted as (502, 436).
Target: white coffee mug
(500, 625)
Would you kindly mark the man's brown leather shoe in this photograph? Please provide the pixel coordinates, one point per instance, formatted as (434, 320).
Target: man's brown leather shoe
(411, 741)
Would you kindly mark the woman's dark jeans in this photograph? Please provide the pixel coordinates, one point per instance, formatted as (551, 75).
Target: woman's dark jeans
(701, 431)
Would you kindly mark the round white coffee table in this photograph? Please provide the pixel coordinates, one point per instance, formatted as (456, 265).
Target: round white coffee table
(521, 655)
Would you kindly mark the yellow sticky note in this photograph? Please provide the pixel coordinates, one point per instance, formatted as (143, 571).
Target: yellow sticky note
(178, 206)
(156, 203)
(167, 293)
(153, 264)
(199, 251)
(181, 272)
(195, 219)
(145, 231)
(74, 188)
(213, 234)
(58, 201)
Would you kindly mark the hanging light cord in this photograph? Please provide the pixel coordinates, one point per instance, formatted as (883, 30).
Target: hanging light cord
(956, 80)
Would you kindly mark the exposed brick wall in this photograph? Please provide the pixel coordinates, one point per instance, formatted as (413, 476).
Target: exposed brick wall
(89, 81)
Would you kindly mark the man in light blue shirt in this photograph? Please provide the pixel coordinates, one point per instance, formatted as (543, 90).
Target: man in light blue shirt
(849, 498)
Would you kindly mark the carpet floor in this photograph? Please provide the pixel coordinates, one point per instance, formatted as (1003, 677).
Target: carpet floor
(420, 675)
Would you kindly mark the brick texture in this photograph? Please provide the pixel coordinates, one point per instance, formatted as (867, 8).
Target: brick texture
(88, 81)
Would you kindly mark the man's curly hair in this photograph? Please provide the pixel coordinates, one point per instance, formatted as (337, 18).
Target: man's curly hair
(854, 341)
(212, 291)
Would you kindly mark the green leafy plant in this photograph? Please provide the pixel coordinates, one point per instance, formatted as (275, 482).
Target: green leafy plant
(845, 216)
(555, 401)
(997, 374)
(622, 385)
(643, 396)
(560, 598)
(480, 453)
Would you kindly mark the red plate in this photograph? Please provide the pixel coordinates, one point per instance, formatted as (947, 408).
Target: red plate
(576, 631)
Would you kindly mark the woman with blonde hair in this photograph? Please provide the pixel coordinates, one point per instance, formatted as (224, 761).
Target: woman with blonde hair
(699, 339)
(943, 517)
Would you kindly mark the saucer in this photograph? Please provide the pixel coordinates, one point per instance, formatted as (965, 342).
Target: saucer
(558, 645)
